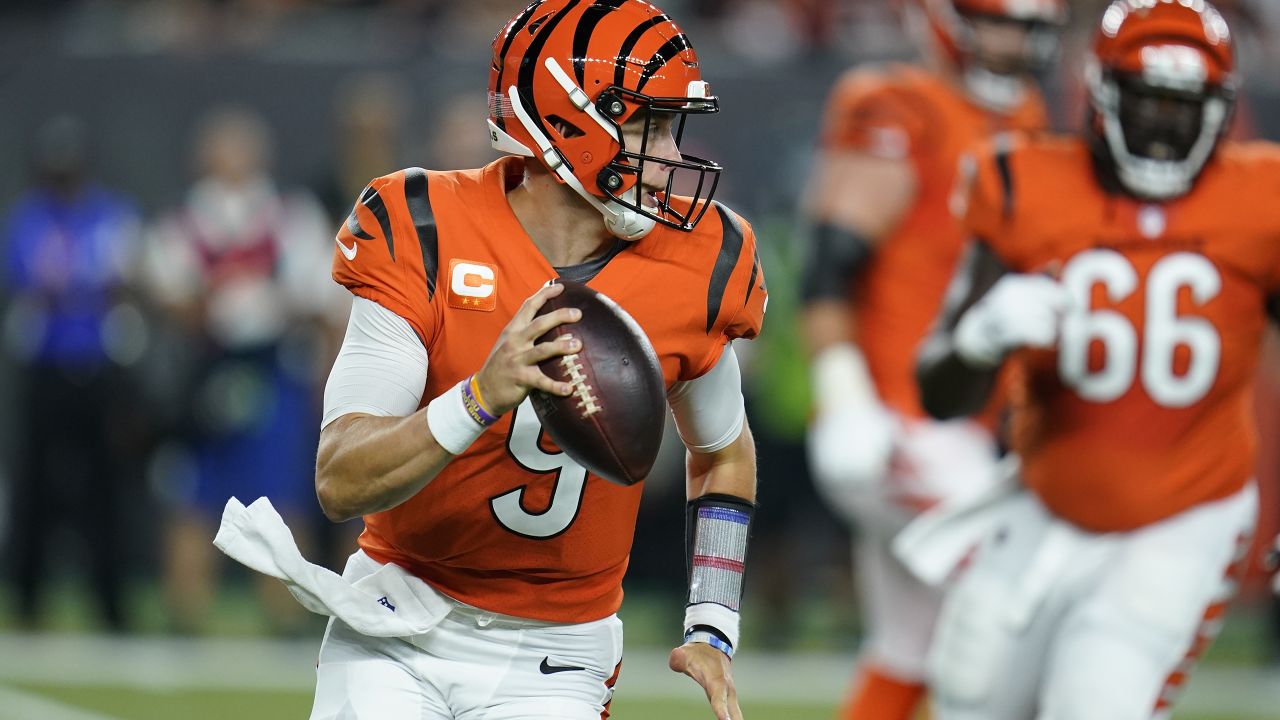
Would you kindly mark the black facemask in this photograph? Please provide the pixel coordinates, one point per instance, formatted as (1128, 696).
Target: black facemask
(690, 175)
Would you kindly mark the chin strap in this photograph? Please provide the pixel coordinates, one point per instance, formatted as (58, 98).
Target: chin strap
(621, 221)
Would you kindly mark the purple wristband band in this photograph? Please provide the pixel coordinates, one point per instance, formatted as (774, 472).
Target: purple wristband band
(473, 405)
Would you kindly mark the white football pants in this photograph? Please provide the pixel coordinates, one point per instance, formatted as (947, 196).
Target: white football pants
(931, 461)
(475, 665)
(1055, 623)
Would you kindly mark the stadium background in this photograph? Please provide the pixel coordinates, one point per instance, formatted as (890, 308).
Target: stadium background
(141, 75)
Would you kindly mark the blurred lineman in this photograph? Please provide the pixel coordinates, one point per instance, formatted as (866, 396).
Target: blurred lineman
(1128, 275)
(885, 243)
(427, 430)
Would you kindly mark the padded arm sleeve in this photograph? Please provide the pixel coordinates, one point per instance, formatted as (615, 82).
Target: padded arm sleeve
(709, 411)
(381, 368)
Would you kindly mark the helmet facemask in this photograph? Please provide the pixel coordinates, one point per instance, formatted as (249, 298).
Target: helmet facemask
(623, 180)
(1159, 130)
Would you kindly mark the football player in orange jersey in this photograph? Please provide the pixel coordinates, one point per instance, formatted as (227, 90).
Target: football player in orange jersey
(1127, 276)
(884, 246)
(428, 432)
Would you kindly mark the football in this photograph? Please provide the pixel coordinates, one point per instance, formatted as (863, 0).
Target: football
(612, 423)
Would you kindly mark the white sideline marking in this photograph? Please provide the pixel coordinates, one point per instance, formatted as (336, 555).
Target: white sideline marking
(20, 705)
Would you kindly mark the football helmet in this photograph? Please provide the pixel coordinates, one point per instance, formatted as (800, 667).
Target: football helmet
(994, 69)
(1162, 82)
(568, 74)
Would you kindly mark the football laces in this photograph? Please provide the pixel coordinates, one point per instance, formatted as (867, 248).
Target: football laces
(588, 403)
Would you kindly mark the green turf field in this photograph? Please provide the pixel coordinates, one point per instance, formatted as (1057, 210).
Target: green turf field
(257, 705)
(236, 672)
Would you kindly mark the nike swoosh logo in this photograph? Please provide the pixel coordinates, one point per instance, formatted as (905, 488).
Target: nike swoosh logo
(547, 668)
(349, 252)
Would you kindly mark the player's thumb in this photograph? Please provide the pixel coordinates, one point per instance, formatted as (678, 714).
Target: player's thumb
(678, 661)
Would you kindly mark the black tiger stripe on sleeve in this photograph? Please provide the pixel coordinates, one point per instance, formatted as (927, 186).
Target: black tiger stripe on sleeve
(730, 249)
(755, 272)
(372, 200)
(353, 225)
(418, 201)
(1003, 151)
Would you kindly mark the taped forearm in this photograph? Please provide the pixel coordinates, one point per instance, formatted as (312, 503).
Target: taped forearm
(717, 530)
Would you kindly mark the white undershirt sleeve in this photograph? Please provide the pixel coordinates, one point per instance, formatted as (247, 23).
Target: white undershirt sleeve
(381, 368)
(709, 410)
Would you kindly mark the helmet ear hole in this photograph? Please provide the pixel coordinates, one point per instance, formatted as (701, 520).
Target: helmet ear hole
(563, 127)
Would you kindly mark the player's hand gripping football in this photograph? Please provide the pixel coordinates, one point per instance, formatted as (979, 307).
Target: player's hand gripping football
(511, 370)
(711, 669)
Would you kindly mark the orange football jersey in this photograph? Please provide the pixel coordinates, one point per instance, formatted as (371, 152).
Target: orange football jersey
(513, 525)
(1144, 408)
(906, 113)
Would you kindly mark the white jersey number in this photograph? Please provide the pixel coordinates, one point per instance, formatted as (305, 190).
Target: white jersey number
(1163, 330)
(566, 498)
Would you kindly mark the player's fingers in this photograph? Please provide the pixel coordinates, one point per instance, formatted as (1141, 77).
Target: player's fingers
(534, 302)
(718, 695)
(563, 345)
(535, 379)
(735, 712)
(537, 327)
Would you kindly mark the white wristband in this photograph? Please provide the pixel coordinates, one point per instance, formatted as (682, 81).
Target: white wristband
(450, 424)
(842, 380)
(713, 615)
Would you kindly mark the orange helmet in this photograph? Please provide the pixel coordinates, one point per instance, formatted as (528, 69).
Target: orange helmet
(567, 74)
(993, 81)
(1162, 83)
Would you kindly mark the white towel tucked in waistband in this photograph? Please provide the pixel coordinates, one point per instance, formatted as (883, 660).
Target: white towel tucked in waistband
(933, 544)
(388, 603)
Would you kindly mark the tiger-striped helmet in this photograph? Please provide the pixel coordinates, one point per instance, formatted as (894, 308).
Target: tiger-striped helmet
(566, 76)
(1162, 83)
(954, 28)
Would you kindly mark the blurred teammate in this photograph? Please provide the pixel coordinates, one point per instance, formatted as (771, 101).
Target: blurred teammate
(1128, 275)
(427, 431)
(233, 266)
(884, 246)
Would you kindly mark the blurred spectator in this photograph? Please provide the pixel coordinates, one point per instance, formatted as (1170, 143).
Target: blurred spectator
(457, 136)
(243, 270)
(369, 120)
(69, 328)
